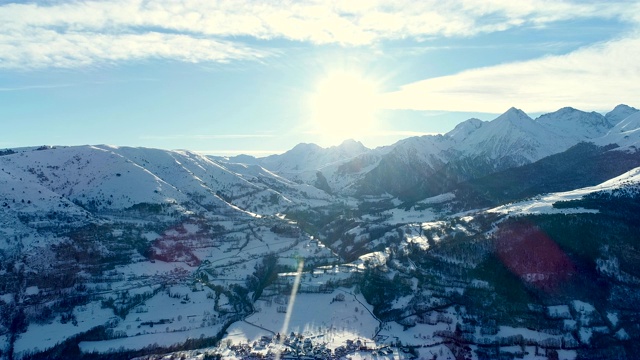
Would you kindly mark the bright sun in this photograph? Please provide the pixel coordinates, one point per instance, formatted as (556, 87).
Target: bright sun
(344, 106)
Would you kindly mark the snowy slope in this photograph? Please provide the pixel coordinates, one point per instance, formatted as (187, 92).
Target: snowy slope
(193, 174)
(26, 206)
(342, 177)
(626, 134)
(290, 191)
(429, 150)
(627, 182)
(91, 174)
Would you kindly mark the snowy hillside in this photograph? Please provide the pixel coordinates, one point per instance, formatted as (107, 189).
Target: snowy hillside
(95, 176)
(627, 183)
(108, 177)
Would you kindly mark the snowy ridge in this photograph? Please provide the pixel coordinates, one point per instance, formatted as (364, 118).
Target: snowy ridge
(575, 125)
(544, 204)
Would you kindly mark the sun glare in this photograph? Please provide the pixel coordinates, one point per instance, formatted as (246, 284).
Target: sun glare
(344, 106)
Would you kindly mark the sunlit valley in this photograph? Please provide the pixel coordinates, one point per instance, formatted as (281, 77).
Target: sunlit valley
(510, 238)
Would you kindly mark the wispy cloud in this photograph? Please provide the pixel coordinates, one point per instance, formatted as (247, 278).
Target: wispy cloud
(401, 133)
(58, 86)
(81, 33)
(205, 137)
(37, 48)
(34, 87)
(595, 77)
(256, 153)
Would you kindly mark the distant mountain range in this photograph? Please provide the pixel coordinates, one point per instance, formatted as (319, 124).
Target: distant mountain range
(423, 166)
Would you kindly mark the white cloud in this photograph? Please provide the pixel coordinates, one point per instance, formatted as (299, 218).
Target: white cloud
(77, 33)
(38, 47)
(596, 77)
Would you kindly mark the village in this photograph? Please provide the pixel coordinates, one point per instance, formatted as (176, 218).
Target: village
(297, 346)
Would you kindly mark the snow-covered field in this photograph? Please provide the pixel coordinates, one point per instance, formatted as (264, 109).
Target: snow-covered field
(321, 315)
(42, 337)
(169, 318)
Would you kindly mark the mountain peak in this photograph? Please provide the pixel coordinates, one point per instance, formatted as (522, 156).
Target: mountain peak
(351, 145)
(619, 113)
(462, 130)
(567, 110)
(513, 115)
(303, 147)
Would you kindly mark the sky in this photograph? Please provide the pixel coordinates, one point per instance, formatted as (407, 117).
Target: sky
(258, 77)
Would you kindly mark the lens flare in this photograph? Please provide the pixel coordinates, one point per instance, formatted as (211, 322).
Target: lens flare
(292, 299)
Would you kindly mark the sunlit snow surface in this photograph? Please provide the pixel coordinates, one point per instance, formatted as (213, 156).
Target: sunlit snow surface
(314, 315)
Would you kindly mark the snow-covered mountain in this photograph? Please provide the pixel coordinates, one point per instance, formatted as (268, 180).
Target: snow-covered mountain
(78, 182)
(426, 166)
(312, 164)
(575, 125)
(304, 158)
(511, 139)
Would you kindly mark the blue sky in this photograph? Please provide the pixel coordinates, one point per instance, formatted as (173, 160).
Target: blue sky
(259, 77)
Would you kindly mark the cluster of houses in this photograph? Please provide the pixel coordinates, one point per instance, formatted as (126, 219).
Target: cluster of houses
(295, 346)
